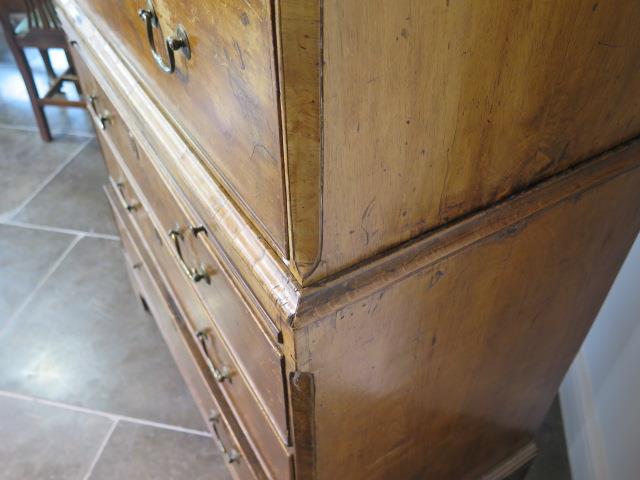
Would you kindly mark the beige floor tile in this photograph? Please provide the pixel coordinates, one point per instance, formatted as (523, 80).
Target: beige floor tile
(85, 340)
(25, 257)
(146, 453)
(26, 162)
(42, 442)
(74, 199)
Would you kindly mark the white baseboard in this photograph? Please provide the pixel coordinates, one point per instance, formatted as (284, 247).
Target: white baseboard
(585, 447)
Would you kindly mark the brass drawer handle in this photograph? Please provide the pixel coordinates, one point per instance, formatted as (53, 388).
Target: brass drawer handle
(193, 273)
(93, 99)
(173, 43)
(129, 207)
(220, 374)
(102, 118)
(230, 455)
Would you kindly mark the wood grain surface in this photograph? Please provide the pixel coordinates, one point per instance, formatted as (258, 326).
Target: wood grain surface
(432, 110)
(300, 49)
(450, 368)
(384, 120)
(223, 99)
(459, 185)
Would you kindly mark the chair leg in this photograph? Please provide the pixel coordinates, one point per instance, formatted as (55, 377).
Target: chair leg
(27, 76)
(43, 124)
(44, 53)
(72, 70)
(69, 60)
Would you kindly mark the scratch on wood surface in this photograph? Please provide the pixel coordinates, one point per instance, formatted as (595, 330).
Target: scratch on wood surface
(610, 45)
(258, 147)
(237, 47)
(363, 221)
(435, 278)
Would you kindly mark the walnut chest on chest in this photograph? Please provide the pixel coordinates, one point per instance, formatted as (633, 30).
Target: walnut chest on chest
(373, 233)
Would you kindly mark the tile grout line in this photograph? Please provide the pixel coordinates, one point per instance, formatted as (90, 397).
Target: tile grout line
(11, 214)
(29, 129)
(100, 413)
(101, 449)
(40, 284)
(68, 231)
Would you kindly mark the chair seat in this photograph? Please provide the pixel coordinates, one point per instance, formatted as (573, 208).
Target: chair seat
(38, 37)
(39, 28)
(43, 39)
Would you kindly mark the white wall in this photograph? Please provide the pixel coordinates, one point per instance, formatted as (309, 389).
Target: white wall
(600, 396)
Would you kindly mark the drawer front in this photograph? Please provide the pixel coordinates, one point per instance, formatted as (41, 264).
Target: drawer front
(192, 253)
(221, 364)
(226, 433)
(223, 98)
(266, 438)
(259, 368)
(108, 121)
(101, 110)
(84, 75)
(125, 197)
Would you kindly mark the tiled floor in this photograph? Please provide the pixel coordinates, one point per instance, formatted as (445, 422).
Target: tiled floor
(87, 387)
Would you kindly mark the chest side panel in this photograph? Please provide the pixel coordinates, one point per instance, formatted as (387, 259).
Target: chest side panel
(432, 110)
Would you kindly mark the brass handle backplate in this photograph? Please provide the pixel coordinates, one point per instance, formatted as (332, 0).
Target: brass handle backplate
(219, 374)
(231, 455)
(93, 99)
(102, 118)
(129, 207)
(179, 41)
(195, 274)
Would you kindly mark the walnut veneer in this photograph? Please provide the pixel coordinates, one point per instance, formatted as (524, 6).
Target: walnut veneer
(374, 234)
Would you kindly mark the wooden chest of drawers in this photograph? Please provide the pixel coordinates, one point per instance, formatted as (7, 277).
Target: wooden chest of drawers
(373, 234)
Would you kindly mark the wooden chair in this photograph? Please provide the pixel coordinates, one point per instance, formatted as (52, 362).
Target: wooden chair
(33, 23)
